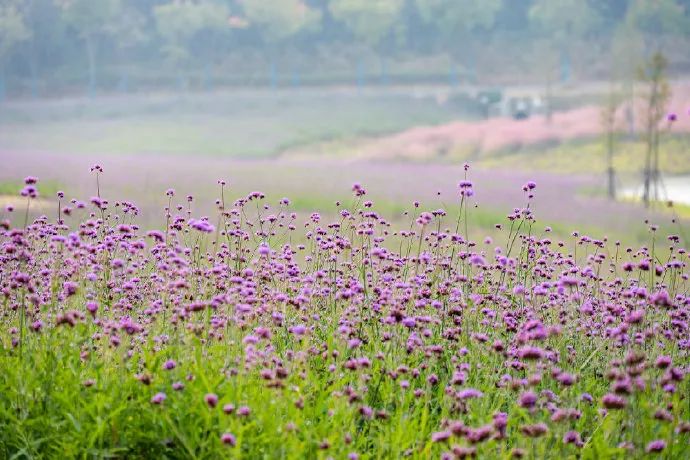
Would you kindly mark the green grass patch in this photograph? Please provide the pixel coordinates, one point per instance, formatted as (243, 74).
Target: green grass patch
(589, 156)
(243, 124)
(47, 189)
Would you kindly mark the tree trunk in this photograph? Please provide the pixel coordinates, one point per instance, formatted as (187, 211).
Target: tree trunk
(565, 66)
(123, 84)
(273, 73)
(384, 74)
(360, 75)
(651, 141)
(472, 67)
(33, 69)
(610, 170)
(612, 183)
(547, 102)
(631, 114)
(454, 75)
(655, 168)
(91, 55)
(181, 81)
(647, 174)
(2, 85)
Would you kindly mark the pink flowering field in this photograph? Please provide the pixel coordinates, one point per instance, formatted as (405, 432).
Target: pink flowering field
(256, 331)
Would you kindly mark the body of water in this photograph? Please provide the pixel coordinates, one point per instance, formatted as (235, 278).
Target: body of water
(674, 188)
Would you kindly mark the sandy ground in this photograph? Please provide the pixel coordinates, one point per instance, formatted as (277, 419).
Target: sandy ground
(483, 137)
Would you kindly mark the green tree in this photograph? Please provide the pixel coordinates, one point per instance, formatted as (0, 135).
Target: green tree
(277, 22)
(369, 21)
(178, 22)
(131, 29)
(627, 51)
(563, 22)
(609, 111)
(653, 75)
(656, 19)
(48, 43)
(93, 21)
(13, 31)
(458, 24)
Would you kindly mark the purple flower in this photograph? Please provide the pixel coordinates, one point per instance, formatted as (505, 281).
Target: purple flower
(528, 399)
(477, 260)
(202, 225)
(70, 288)
(211, 399)
(92, 307)
(424, 219)
(158, 398)
(440, 436)
(655, 446)
(534, 431)
(530, 352)
(612, 401)
(358, 189)
(662, 362)
(572, 437)
(469, 393)
(566, 379)
(409, 322)
(228, 439)
(298, 329)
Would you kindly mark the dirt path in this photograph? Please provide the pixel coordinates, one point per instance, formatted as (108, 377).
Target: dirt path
(483, 137)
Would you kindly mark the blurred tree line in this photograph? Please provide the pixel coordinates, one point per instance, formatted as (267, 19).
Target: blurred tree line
(54, 46)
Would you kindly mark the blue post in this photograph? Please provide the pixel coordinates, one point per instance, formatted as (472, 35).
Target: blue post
(454, 75)
(273, 76)
(33, 83)
(360, 76)
(2, 89)
(92, 83)
(206, 78)
(565, 67)
(472, 70)
(295, 79)
(384, 74)
(34, 87)
(123, 85)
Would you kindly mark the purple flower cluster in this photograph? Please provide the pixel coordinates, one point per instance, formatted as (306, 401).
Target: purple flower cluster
(370, 324)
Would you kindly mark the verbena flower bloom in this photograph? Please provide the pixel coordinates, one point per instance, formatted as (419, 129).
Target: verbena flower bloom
(655, 446)
(228, 439)
(211, 399)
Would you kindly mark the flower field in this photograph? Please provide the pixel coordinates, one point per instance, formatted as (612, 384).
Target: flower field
(258, 332)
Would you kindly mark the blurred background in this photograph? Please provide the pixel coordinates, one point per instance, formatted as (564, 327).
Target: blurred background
(301, 98)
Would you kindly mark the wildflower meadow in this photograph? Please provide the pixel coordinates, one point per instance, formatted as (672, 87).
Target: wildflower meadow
(258, 332)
